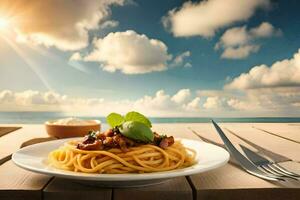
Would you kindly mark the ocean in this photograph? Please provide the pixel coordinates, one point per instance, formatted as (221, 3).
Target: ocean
(41, 117)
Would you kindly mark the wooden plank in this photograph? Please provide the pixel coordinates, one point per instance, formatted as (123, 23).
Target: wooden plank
(31, 134)
(17, 184)
(177, 188)
(228, 182)
(288, 130)
(6, 130)
(65, 189)
(246, 131)
(12, 142)
(250, 194)
(177, 130)
(231, 182)
(274, 144)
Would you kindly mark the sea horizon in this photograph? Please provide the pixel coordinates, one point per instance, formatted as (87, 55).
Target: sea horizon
(37, 117)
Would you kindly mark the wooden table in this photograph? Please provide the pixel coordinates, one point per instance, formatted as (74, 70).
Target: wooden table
(227, 182)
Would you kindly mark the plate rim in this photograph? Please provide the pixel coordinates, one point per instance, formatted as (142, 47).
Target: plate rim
(121, 177)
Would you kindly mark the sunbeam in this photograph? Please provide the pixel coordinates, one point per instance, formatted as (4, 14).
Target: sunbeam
(3, 23)
(42, 51)
(29, 62)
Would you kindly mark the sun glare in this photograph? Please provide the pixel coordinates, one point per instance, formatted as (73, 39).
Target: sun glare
(3, 23)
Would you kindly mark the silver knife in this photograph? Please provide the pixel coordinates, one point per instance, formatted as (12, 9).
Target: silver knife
(242, 160)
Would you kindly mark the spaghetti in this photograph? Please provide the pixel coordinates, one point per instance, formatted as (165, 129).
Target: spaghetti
(143, 158)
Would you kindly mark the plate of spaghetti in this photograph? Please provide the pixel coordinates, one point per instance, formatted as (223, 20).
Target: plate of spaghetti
(127, 154)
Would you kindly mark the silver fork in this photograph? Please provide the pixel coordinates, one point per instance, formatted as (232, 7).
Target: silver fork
(268, 165)
(243, 161)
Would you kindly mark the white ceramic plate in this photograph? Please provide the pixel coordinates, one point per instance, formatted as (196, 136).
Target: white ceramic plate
(34, 158)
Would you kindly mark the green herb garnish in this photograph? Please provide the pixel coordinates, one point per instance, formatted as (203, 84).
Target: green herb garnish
(92, 134)
(137, 131)
(163, 136)
(115, 119)
(134, 125)
(138, 117)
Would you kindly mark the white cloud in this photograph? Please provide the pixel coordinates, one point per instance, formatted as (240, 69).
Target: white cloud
(214, 93)
(166, 104)
(187, 65)
(211, 102)
(233, 37)
(280, 74)
(132, 53)
(181, 96)
(265, 29)
(62, 24)
(6, 96)
(241, 35)
(224, 100)
(109, 24)
(43, 101)
(30, 97)
(239, 52)
(263, 91)
(193, 105)
(279, 101)
(76, 57)
(129, 52)
(161, 104)
(215, 103)
(239, 104)
(180, 59)
(256, 102)
(160, 101)
(284, 100)
(206, 17)
(238, 42)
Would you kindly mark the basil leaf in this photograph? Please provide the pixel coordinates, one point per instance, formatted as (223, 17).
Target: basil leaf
(138, 117)
(137, 131)
(114, 119)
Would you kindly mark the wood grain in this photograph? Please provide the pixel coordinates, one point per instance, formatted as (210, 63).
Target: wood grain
(12, 142)
(261, 150)
(65, 189)
(231, 182)
(289, 130)
(277, 135)
(227, 182)
(6, 130)
(17, 184)
(177, 188)
(275, 144)
(250, 194)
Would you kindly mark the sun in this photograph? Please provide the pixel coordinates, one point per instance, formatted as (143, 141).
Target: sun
(4, 23)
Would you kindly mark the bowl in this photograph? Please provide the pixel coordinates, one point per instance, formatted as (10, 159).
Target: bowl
(71, 130)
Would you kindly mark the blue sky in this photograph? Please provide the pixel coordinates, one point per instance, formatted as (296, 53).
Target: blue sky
(43, 64)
